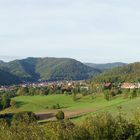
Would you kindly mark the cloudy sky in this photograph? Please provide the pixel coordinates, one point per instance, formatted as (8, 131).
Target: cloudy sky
(96, 31)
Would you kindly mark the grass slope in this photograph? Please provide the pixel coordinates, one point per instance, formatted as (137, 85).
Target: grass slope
(83, 107)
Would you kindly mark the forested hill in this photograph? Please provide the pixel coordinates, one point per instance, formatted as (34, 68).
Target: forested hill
(33, 69)
(128, 73)
(7, 78)
(105, 66)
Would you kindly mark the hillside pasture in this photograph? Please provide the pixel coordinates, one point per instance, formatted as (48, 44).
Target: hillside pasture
(84, 106)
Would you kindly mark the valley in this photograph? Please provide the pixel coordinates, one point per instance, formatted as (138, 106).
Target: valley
(78, 92)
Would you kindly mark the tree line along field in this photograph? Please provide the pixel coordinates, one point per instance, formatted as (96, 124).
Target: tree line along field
(46, 106)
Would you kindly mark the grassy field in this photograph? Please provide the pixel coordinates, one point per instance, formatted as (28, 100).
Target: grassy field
(84, 106)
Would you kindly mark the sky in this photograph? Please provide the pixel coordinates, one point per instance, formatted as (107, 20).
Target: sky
(97, 31)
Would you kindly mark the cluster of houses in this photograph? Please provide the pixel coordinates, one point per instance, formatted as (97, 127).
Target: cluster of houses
(124, 85)
(7, 88)
(130, 85)
(66, 85)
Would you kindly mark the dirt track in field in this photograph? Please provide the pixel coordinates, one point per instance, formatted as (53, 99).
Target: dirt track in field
(68, 114)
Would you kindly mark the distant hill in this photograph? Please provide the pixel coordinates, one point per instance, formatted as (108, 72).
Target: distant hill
(105, 66)
(1, 62)
(127, 73)
(63, 69)
(7, 78)
(25, 69)
(33, 69)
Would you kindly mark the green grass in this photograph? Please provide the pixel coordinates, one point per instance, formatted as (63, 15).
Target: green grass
(128, 107)
(40, 103)
(84, 103)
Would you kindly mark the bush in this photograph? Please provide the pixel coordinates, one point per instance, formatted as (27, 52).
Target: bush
(4, 123)
(98, 127)
(133, 93)
(93, 96)
(24, 117)
(107, 95)
(22, 132)
(13, 103)
(5, 102)
(106, 127)
(60, 115)
(57, 106)
(65, 130)
(74, 96)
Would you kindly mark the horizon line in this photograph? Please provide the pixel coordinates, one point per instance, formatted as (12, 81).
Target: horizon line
(7, 59)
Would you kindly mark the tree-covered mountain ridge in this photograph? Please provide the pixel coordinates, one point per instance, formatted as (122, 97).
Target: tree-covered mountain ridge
(49, 68)
(105, 66)
(127, 73)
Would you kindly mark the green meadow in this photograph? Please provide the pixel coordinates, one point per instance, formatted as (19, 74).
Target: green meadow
(79, 109)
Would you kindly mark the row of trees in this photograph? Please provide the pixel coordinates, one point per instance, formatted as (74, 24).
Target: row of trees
(25, 91)
(127, 93)
(48, 91)
(5, 101)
